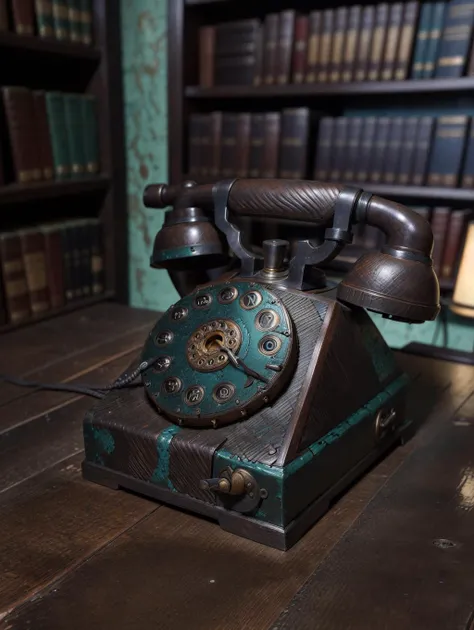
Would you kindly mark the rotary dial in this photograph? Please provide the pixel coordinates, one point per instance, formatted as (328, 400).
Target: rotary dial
(221, 353)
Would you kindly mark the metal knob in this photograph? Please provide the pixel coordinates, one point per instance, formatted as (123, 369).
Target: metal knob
(275, 253)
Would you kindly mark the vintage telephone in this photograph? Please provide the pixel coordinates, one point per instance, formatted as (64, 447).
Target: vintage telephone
(266, 391)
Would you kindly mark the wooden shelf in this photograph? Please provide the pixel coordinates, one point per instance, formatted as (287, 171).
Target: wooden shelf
(19, 193)
(73, 306)
(459, 85)
(12, 42)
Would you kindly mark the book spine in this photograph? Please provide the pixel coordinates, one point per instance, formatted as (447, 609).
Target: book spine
(75, 134)
(194, 145)
(300, 52)
(393, 150)
(352, 40)
(54, 265)
(438, 16)
(354, 138)
(339, 41)
(365, 42)
(394, 29)
(85, 8)
(323, 166)
(325, 50)
(44, 18)
(205, 132)
(467, 180)
(85, 258)
(243, 145)
(215, 149)
(4, 27)
(407, 38)
(377, 160)
(448, 151)
(366, 148)
(207, 36)
(294, 143)
(23, 17)
(270, 40)
(439, 226)
(259, 50)
(229, 145)
(457, 222)
(421, 44)
(456, 39)
(32, 245)
(314, 46)
(271, 144)
(424, 138)
(97, 257)
(238, 70)
(286, 31)
(257, 137)
(90, 126)
(61, 20)
(338, 162)
(378, 42)
(57, 128)
(75, 22)
(17, 300)
(44, 140)
(407, 152)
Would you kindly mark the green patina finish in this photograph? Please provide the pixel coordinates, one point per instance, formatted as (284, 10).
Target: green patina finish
(161, 473)
(176, 253)
(98, 442)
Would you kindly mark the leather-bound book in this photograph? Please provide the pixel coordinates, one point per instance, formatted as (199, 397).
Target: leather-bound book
(378, 42)
(456, 39)
(90, 124)
(365, 42)
(61, 20)
(205, 145)
(407, 153)
(325, 50)
(44, 18)
(395, 18)
(75, 134)
(257, 138)
(54, 264)
(377, 160)
(234, 70)
(17, 301)
(294, 138)
(339, 151)
(229, 145)
(259, 50)
(23, 17)
(354, 139)
(4, 23)
(207, 36)
(34, 260)
(421, 43)
(85, 272)
(407, 40)
(86, 21)
(44, 139)
(324, 148)
(424, 139)
(270, 40)
(392, 158)
(271, 144)
(314, 46)
(454, 238)
(448, 151)
(434, 38)
(243, 145)
(194, 145)
(300, 53)
(215, 149)
(467, 179)
(96, 238)
(366, 148)
(55, 108)
(337, 55)
(439, 225)
(352, 40)
(74, 14)
(286, 33)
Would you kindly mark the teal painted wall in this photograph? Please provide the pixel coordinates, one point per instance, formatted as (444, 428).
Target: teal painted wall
(144, 24)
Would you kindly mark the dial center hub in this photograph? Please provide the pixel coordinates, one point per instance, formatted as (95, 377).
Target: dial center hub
(205, 349)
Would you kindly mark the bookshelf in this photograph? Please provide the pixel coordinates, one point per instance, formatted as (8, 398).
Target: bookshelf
(64, 66)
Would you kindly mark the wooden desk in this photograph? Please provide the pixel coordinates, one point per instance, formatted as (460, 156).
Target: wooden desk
(396, 551)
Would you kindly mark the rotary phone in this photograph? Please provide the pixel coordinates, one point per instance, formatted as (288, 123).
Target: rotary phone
(266, 390)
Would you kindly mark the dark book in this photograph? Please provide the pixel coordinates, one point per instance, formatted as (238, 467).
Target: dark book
(4, 27)
(61, 20)
(215, 148)
(322, 167)
(407, 40)
(448, 151)
(97, 256)
(453, 245)
(23, 17)
(456, 39)
(85, 265)
(354, 139)
(325, 50)
(55, 108)
(207, 36)
(365, 42)
(44, 18)
(286, 31)
(294, 138)
(339, 41)
(380, 149)
(75, 134)
(392, 158)
(424, 138)
(243, 145)
(3, 308)
(467, 179)
(270, 40)
(90, 137)
(421, 42)
(42, 133)
(271, 144)
(205, 145)
(379, 37)
(229, 145)
(258, 72)
(434, 38)
(235, 70)
(300, 52)
(86, 21)
(366, 148)
(236, 38)
(72, 260)
(439, 226)
(314, 46)
(339, 149)
(17, 301)
(194, 145)
(75, 20)
(394, 29)
(407, 152)
(352, 40)
(34, 261)
(54, 264)
(257, 138)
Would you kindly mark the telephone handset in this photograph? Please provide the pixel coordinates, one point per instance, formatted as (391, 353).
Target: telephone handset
(270, 390)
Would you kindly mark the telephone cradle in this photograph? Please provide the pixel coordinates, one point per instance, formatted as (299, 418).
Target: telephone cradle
(267, 390)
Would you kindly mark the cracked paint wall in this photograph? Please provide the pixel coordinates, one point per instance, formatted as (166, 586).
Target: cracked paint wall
(144, 62)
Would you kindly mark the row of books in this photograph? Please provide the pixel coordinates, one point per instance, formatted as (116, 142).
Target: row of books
(64, 20)
(49, 135)
(411, 150)
(48, 266)
(388, 41)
